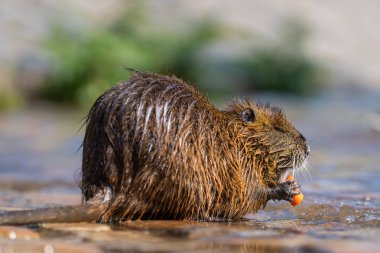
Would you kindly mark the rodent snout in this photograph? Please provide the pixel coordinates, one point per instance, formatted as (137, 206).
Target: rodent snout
(307, 148)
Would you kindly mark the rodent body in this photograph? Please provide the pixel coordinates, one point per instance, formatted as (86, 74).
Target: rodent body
(161, 150)
(156, 148)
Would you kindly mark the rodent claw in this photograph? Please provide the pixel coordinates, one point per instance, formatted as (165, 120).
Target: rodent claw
(284, 191)
(292, 192)
(290, 182)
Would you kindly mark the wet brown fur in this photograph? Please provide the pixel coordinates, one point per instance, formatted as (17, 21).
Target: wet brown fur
(161, 150)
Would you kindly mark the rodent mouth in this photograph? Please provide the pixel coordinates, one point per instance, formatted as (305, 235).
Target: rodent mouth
(291, 171)
(286, 173)
(299, 164)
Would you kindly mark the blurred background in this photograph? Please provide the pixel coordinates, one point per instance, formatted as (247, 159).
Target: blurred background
(318, 60)
(67, 52)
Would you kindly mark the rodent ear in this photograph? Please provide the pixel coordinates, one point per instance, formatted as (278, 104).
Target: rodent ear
(248, 115)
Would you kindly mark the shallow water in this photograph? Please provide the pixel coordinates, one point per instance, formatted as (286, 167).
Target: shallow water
(340, 211)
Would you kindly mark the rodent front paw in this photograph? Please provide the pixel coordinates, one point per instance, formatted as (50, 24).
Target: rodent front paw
(284, 191)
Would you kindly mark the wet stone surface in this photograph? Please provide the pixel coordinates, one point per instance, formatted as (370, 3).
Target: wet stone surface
(340, 211)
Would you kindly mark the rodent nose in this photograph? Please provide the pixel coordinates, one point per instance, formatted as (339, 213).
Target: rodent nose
(307, 149)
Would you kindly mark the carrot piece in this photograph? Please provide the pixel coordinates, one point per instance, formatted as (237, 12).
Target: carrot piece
(296, 198)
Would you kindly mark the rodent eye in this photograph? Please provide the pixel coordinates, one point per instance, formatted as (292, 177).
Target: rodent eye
(279, 129)
(248, 115)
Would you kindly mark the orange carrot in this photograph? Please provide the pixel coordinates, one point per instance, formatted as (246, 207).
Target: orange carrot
(296, 198)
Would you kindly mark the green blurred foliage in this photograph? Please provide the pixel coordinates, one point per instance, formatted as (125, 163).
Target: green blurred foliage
(86, 63)
(283, 66)
(10, 99)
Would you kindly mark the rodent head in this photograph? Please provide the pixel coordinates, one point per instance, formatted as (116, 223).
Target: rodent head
(269, 142)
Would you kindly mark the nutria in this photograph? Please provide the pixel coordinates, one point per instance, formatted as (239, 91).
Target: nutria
(156, 148)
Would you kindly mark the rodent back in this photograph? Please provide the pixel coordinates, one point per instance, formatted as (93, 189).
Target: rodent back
(147, 132)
